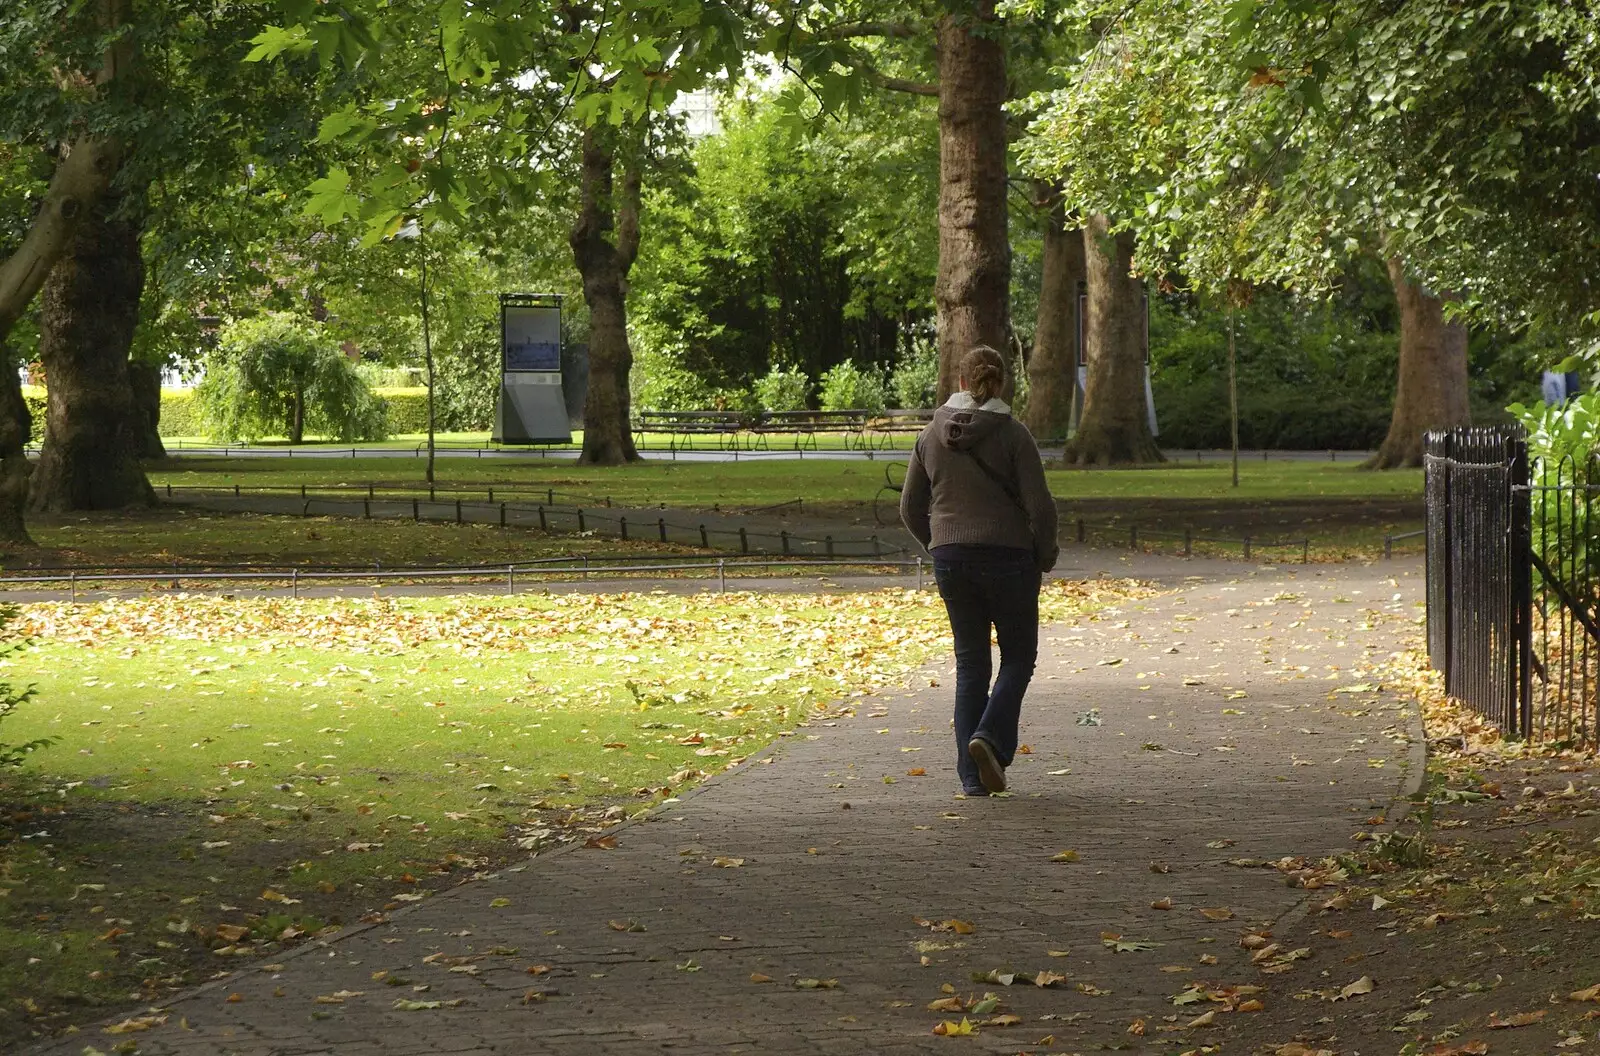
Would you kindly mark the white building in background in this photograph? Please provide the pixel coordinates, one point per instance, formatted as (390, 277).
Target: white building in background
(699, 111)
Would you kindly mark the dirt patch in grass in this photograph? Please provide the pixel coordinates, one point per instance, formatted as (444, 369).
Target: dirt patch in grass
(180, 537)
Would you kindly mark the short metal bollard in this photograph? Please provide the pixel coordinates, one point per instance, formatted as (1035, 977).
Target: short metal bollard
(919, 573)
(661, 528)
(705, 543)
(622, 528)
(744, 540)
(1188, 543)
(511, 579)
(722, 577)
(1247, 548)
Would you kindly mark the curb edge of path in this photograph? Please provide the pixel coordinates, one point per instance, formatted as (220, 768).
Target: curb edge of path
(1399, 808)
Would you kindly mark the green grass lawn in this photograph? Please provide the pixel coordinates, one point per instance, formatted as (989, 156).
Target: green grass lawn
(757, 483)
(232, 776)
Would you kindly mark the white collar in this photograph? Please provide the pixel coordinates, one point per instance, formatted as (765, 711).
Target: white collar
(961, 400)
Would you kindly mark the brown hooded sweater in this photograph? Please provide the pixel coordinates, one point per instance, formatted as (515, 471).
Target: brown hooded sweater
(949, 498)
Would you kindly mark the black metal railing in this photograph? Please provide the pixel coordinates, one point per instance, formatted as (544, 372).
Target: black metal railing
(1479, 570)
(1513, 582)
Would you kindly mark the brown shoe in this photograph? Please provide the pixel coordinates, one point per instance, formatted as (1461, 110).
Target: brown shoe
(990, 772)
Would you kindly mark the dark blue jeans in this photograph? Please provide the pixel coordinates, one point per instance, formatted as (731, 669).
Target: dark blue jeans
(1000, 592)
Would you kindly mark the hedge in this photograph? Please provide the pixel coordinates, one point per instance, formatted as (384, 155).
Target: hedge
(408, 409)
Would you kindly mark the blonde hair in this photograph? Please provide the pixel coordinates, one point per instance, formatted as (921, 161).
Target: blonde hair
(984, 371)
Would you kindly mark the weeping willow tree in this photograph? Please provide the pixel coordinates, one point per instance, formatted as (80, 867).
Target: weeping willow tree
(280, 375)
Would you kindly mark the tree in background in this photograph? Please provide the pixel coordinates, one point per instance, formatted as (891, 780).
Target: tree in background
(1270, 143)
(280, 375)
(770, 249)
(1053, 364)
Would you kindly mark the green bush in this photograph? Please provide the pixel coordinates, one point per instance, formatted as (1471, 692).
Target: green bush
(1279, 417)
(783, 390)
(34, 397)
(180, 414)
(407, 409)
(847, 387)
(12, 698)
(915, 381)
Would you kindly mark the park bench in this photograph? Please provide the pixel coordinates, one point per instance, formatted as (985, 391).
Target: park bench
(685, 426)
(861, 430)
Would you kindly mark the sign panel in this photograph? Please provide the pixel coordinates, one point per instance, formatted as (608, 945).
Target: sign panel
(532, 408)
(531, 337)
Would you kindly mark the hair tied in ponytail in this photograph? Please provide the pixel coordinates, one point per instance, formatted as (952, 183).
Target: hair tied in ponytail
(984, 371)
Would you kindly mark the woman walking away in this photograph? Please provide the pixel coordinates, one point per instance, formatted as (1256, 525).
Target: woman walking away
(975, 497)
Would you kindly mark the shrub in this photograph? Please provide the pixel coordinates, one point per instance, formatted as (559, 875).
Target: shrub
(915, 381)
(12, 698)
(277, 374)
(784, 390)
(407, 409)
(847, 387)
(34, 397)
(180, 413)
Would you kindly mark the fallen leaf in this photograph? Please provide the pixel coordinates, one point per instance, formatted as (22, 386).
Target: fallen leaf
(1205, 1019)
(1471, 1048)
(947, 1029)
(727, 863)
(1161, 903)
(135, 1024)
(632, 926)
(1047, 979)
(1591, 993)
(1218, 913)
(231, 932)
(757, 977)
(1065, 856)
(601, 843)
(1521, 1019)
(1136, 1028)
(960, 927)
(816, 984)
(1252, 1005)
(917, 771)
(946, 1004)
(1364, 985)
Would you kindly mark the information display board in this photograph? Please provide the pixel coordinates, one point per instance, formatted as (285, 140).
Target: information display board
(532, 408)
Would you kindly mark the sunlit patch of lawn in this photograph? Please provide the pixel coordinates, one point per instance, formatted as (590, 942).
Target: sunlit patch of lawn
(234, 775)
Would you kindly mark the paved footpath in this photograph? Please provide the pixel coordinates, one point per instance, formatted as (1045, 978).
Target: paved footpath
(1217, 721)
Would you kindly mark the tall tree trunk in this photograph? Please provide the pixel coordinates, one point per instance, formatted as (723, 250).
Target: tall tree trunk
(1053, 364)
(972, 288)
(81, 179)
(297, 417)
(15, 426)
(144, 384)
(604, 240)
(1115, 428)
(89, 307)
(1432, 389)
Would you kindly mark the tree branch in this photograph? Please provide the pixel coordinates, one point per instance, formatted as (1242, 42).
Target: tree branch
(899, 84)
(856, 30)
